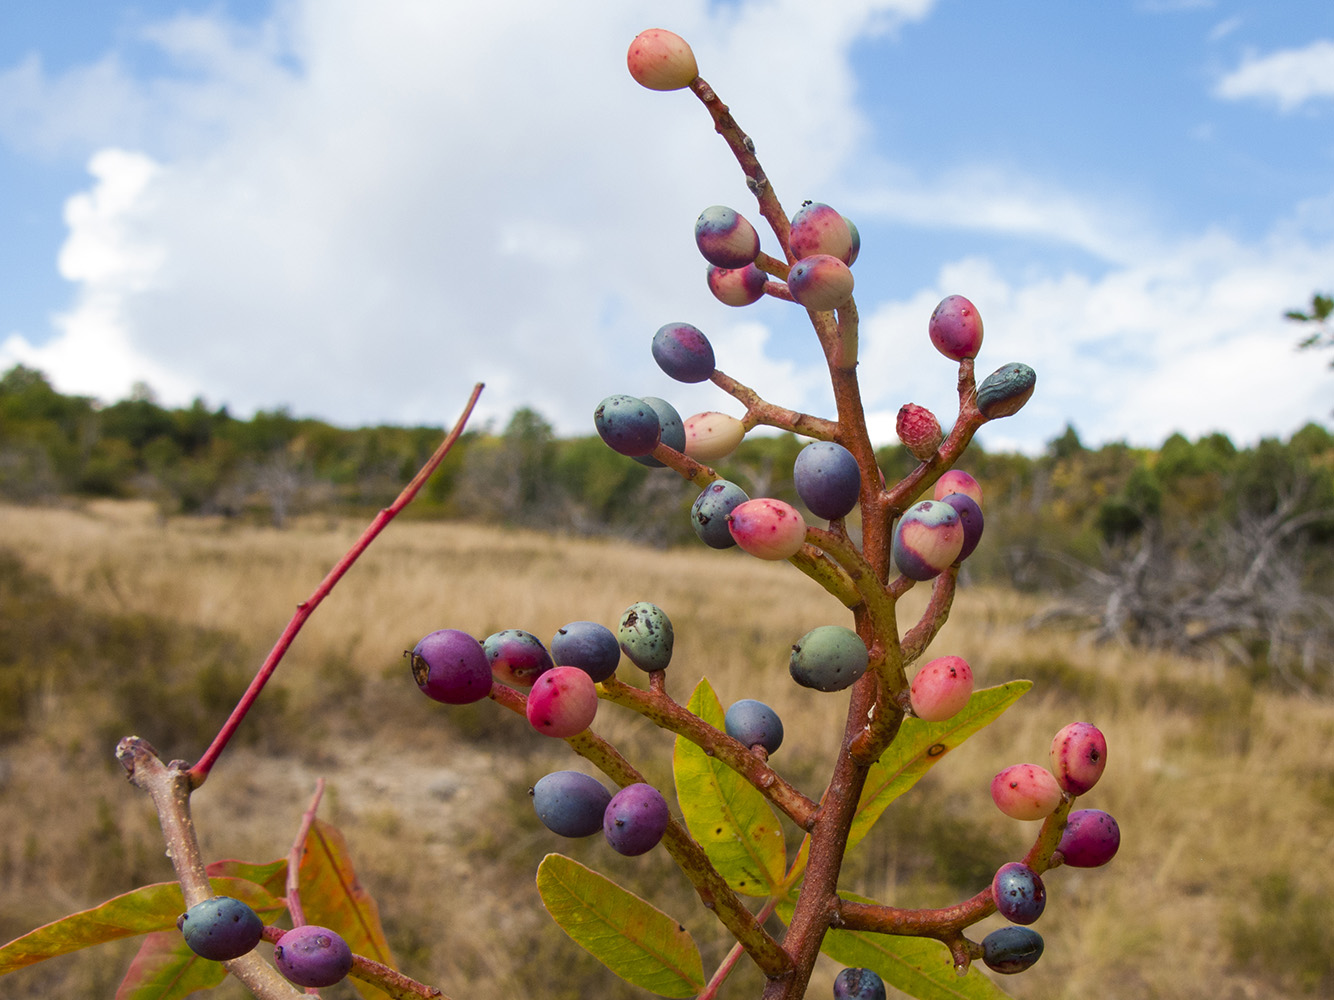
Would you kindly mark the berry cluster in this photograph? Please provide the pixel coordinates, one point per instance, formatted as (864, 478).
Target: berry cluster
(222, 928)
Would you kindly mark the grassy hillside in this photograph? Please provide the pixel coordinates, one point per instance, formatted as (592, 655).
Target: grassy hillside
(113, 621)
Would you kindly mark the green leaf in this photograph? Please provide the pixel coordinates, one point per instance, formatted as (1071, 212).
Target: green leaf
(139, 911)
(920, 745)
(631, 937)
(727, 815)
(332, 897)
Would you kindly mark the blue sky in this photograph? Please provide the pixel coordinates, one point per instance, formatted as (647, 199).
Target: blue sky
(357, 211)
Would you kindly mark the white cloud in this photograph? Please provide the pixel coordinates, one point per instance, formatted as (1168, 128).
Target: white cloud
(1290, 77)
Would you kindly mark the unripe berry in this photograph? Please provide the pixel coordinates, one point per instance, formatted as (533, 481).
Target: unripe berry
(589, 646)
(737, 286)
(958, 481)
(313, 956)
(563, 702)
(827, 479)
(636, 819)
(1026, 791)
(451, 667)
(220, 928)
(919, 430)
(1019, 893)
(956, 328)
(927, 539)
(941, 688)
(517, 657)
(661, 60)
(829, 658)
(628, 425)
(970, 516)
(671, 430)
(711, 436)
(820, 283)
(726, 238)
(767, 528)
(708, 514)
(1078, 757)
(646, 637)
(818, 229)
(1011, 949)
(1090, 839)
(859, 984)
(570, 803)
(683, 352)
(1005, 391)
(754, 723)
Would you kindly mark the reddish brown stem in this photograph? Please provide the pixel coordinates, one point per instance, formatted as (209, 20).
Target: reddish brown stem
(199, 772)
(294, 856)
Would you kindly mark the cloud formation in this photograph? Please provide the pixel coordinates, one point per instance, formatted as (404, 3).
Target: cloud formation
(1289, 77)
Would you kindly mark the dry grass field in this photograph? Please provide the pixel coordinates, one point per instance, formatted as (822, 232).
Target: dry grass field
(1224, 793)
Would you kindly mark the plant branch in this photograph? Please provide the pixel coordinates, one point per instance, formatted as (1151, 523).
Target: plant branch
(294, 856)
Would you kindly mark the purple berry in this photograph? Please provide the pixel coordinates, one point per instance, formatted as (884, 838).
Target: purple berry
(956, 328)
(570, 803)
(1019, 893)
(828, 658)
(1091, 839)
(941, 688)
(755, 724)
(635, 820)
(737, 286)
(645, 635)
(827, 479)
(708, 514)
(672, 431)
(767, 528)
(927, 539)
(1011, 949)
(859, 984)
(818, 229)
(683, 352)
(517, 657)
(1078, 757)
(563, 702)
(313, 956)
(451, 666)
(820, 283)
(220, 928)
(1026, 791)
(589, 646)
(970, 516)
(661, 60)
(725, 238)
(628, 425)
(1005, 391)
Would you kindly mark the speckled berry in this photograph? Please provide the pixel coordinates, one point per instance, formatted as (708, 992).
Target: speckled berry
(683, 352)
(1005, 391)
(955, 328)
(563, 702)
(941, 688)
(313, 956)
(1019, 893)
(708, 514)
(828, 658)
(767, 528)
(1091, 838)
(1026, 791)
(517, 657)
(661, 60)
(1078, 757)
(220, 928)
(819, 229)
(821, 282)
(645, 636)
(711, 435)
(859, 984)
(671, 428)
(627, 424)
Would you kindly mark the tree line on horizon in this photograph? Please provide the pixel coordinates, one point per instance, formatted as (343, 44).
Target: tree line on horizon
(1193, 545)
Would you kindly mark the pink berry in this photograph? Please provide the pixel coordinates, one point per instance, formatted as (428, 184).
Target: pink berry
(661, 60)
(725, 237)
(958, 481)
(767, 528)
(711, 436)
(563, 702)
(737, 286)
(820, 283)
(956, 328)
(819, 229)
(1078, 756)
(941, 688)
(927, 539)
(1026, 791)
(919, 430)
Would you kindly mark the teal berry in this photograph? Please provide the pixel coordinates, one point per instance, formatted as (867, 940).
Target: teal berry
(1005, 391)
(828, 658)
(645, 636)
(220, 928)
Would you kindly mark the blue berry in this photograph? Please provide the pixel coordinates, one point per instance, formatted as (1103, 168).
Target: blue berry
(708, 514)
(313, 956)
(451, 666)
(635, 820)
(628, 425)
(827, 479)
(683, 352)
(829, 658)
(220, 928)
(672, 432)
(570, 803)
(1011, 949)
(1019, 893)
(752, 722)
(589, 646)
(859, 984)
